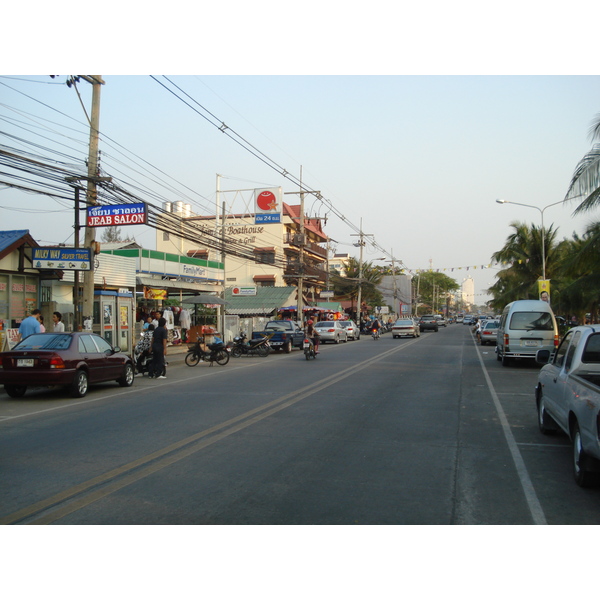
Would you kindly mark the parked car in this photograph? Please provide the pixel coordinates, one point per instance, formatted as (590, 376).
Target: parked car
(526, 326)
(441, 321)
(331, 331)
(568, 398)
(405, 327)
(352, 329)
(73, 360)
(488, 332)
(468, 320)
(428, 322)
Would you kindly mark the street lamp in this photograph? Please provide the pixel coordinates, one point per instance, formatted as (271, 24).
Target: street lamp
(500, 201)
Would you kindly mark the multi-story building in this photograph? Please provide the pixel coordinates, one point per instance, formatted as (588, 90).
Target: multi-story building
(265, 254)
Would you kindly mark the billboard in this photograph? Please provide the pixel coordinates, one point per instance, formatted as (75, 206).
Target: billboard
(267, 205)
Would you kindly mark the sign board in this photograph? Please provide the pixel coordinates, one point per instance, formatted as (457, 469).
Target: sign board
(327, 294)
(244, 291)
(64, 259)
(267, 205)
(114, 215)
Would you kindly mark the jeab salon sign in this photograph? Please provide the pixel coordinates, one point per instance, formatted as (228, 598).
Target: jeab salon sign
(113, 215)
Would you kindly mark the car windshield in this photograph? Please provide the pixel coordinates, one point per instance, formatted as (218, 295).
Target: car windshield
(539, 321)
(346, 324)
(325, 324)
(45, 341)
(491, 325)
(404, 322)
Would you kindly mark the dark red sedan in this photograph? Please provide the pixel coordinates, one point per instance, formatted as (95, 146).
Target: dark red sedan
(73, 360)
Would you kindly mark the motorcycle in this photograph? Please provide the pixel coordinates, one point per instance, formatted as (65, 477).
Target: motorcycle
(375, 334)
(309, 348)
(241, 346)
(216, 352)
(142, 357)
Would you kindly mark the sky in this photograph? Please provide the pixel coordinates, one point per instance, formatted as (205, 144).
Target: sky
(417, 160)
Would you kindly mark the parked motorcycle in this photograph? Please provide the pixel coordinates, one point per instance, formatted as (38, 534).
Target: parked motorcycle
(242, 346)
(217, 352)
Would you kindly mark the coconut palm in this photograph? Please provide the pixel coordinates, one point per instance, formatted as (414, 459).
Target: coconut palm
(585, 184)
(523, 253)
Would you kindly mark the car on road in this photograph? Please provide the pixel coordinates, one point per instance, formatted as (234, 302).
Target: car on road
(487, 333)
(405, 327)
(331, 331)
(352, 329)
(72, 360)
(441, 321)
(427, 322)
(468, 320)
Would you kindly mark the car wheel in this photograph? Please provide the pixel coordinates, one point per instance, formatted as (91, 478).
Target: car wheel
(80, 384)
(546, 423)
(15, 391)
(505, 361)
(337, 339)
(345, 339)
(127, 379)
(287, 348)
(584, 477)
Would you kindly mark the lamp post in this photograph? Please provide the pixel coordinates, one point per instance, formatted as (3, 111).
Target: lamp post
(500, 201)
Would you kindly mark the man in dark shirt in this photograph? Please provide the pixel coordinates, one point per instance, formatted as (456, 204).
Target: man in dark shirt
(159, 351)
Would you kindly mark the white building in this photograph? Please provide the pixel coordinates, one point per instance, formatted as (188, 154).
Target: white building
(468, 292)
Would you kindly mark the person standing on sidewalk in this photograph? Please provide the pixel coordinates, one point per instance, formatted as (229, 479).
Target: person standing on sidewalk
(159, 350)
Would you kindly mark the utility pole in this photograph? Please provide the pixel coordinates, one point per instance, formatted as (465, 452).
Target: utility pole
(361, 243)
(92, 199)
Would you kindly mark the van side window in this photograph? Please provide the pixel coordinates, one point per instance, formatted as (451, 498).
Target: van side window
(571, 350)
(559, 357)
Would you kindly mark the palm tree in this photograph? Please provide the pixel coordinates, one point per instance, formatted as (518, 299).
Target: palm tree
(348, 286)
(586, 179)
(523, 252)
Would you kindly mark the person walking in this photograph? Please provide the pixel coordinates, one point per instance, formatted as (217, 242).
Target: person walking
(30, 325)
(159, 350)
(59, 326)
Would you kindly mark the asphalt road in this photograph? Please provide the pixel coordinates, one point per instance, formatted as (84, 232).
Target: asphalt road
(425, 431)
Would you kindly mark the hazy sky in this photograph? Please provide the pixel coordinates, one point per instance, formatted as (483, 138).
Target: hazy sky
(420, 159)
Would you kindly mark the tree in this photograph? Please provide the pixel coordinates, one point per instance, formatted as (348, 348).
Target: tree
(586, 179)
(434, 289)
(111, 234)
(347, 286)
(523, 253)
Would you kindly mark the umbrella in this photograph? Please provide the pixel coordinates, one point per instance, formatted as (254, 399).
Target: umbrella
(203, 299)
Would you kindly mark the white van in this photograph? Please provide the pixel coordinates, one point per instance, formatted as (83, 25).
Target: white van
(526, 326)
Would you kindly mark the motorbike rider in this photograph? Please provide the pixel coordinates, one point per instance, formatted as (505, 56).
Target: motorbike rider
(375, 326)
(313, 334)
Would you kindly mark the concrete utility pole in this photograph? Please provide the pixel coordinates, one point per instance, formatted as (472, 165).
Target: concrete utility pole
(361, 243)
(92, 199)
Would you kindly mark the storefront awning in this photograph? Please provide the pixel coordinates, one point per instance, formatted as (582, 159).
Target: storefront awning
(167, 284)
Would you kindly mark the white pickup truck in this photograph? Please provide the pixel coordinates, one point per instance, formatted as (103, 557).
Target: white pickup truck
(568, 397)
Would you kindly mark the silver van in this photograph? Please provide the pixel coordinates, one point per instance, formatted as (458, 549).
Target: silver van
(526, 326)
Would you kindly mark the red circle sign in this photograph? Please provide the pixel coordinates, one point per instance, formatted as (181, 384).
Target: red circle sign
(266, 201)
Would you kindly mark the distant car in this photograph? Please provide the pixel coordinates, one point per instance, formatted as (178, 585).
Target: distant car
(331, 331)
(488, 332)
(468, 320)
(352, 329)
(74, 360)
(441, 321)
(460, 319)
(428, 322)
(405, 327)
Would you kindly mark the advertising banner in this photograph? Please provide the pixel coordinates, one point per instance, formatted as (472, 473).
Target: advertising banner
(267, 205)
(65, 259)
(155, 294)
(113, 215)
(544, 289)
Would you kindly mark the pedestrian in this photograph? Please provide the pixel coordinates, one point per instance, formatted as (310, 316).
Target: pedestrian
(148, 323)
(159, 351)
(59, 326)
(30, 325)
(42, 328)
